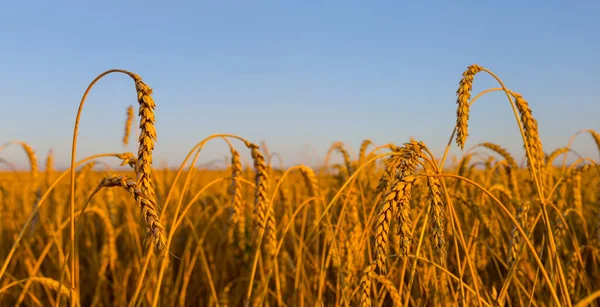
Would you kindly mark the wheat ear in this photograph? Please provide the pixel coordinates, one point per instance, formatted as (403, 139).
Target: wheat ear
(464, 96)
(365, 285)
(437, 215)
(596, 137)
(147, 137)
(363, 149)
(148, 207)
(511, 167)
(128, 122)
(50, 161)
(515, 238)
(577, 199)
(392, 290)
(530, 130)
(396, 201)
(127, 158)
(235, 190)
(264, 217)
(339, 146)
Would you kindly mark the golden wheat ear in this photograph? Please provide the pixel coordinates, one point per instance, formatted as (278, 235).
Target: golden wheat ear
(128, 122)
(147, 137)
(463, 97)
(148, 207)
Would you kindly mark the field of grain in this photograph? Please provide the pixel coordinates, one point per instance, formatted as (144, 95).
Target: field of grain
(387, 227)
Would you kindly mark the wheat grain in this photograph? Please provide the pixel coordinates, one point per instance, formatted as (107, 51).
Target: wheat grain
(515, 237)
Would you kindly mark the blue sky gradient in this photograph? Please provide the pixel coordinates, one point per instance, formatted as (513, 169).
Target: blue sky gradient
(298, 75)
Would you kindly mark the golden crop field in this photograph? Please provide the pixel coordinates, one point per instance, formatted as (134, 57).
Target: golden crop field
(390, 226)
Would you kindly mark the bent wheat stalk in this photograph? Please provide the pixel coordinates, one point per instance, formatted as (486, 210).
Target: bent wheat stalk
(143, 168)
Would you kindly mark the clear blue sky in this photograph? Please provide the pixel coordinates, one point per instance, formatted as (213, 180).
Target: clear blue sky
(299, 76)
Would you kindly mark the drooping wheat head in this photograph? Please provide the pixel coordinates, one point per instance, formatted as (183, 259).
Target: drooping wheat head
(391, 167)
(554, 154)
(147, 206)
(339, 146)
(147, 137)
(463, 98)
(532, 137)
(396, 202)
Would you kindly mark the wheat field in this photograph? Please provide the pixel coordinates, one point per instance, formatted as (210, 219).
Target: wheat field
(392, 225)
